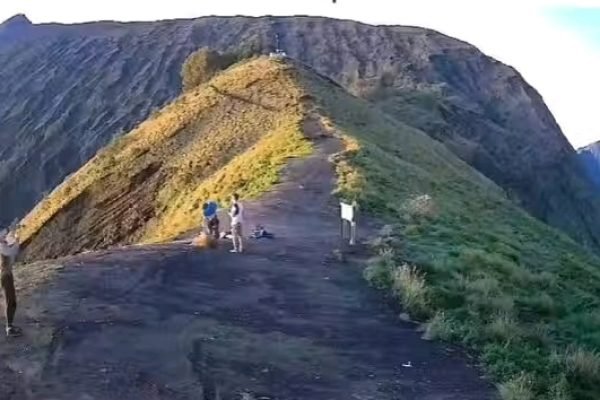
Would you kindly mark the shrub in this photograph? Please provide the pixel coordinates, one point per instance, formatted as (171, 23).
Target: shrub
(379, 271)
(202, 65)
(421, 206)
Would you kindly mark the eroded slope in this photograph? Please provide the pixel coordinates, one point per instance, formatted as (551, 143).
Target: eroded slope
(230, 134)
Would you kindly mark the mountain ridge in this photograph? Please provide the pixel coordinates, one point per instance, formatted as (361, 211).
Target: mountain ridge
(71, 93)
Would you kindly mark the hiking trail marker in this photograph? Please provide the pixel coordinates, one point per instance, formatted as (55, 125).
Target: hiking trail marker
(348, 218)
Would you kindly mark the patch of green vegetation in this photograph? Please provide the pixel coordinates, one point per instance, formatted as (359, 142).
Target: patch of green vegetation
(463, 258)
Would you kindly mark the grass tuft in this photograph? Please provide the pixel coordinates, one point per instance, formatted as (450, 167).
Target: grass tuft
(583, 363)
(408, 284)
(503, 328)
(439, 327)
(518, 388)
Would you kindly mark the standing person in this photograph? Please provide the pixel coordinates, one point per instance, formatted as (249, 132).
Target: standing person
(237, 219)
(9, 250)
(210, 216)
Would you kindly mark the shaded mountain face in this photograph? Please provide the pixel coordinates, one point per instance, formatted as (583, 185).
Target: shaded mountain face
(70, 89)
(15, 28)
(589, 157)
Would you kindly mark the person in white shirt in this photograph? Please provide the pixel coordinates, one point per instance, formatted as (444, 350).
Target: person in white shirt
(237, 219)
(9, 250)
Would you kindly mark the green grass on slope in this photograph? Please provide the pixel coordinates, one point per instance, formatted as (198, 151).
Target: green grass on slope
(477, 268)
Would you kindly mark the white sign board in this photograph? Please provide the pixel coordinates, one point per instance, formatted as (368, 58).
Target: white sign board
(347, 212)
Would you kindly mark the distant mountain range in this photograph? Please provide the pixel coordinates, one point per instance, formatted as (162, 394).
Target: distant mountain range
(590, 158)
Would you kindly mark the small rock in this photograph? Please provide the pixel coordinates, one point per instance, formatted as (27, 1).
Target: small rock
(404, 317)
(339, 255)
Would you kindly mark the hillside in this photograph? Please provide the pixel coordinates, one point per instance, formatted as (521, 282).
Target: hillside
(70, 89)
(231, 133)
(461, 256)
(457, 253)
(589, 156)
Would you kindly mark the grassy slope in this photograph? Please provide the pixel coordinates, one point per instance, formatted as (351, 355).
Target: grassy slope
(231, 134)
(523, 295)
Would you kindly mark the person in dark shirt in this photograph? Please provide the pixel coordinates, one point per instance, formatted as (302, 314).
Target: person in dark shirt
(9, 250)
(210, 217)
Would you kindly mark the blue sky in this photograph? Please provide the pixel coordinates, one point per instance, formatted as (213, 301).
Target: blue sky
(555, 44)
(584, 21)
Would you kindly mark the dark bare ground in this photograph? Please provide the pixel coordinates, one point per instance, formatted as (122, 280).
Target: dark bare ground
(283, 321)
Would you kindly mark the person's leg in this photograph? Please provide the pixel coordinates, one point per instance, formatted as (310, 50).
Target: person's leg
(216, 228)
(240, 236)
(10, 298)
(236, 238)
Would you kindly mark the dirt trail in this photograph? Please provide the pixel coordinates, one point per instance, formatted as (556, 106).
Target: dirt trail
(283, 321)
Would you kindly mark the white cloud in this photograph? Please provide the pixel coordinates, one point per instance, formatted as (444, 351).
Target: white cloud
(556, 61)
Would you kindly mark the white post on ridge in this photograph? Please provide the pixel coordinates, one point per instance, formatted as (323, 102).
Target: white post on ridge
(348, 216)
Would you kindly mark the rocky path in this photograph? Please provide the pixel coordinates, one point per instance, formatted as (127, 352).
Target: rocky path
(284, 321)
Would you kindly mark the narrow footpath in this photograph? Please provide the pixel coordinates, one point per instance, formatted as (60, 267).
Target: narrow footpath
(286, 320)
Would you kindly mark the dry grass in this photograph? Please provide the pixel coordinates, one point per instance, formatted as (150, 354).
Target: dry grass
(409, 285)
(350, 180)
(420, 206)
(503, 328)
(233, 133)
(583, 363)
(250, 174)
(439, 327)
